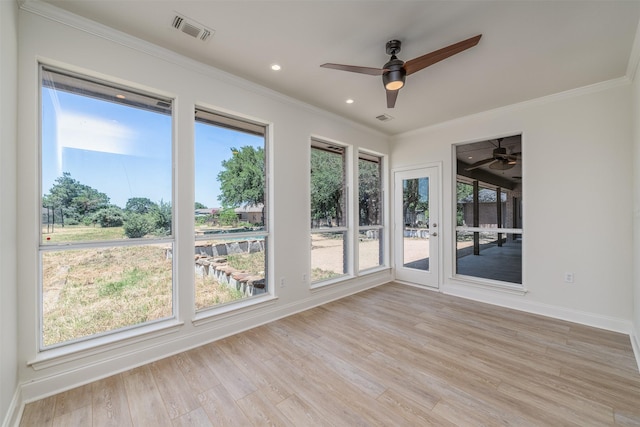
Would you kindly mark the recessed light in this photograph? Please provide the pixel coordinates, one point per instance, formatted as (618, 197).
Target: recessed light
(470, 157)
(349, 101)
(120, 96)
(276, 67)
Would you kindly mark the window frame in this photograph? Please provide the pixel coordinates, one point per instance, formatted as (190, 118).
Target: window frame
(381, 227)
(346, 230)
(233, 121)
(122, 334)
(505, 232)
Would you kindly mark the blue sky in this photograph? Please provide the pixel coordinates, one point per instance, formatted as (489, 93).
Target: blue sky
(213, 145)
(125, 152)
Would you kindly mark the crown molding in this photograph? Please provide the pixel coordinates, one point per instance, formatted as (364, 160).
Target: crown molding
(634, 57)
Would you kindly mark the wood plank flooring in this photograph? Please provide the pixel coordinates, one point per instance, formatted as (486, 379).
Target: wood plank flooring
(391, 356)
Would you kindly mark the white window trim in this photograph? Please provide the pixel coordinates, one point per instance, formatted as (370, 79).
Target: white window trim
(83, 346)
(383, 227)
(349, 234)
(207, 315)
(472, 281)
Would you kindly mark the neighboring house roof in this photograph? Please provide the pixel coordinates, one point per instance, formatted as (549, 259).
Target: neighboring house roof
(250, 209)
(207, 211)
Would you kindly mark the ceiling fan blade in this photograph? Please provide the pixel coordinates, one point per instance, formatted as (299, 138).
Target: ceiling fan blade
(476, 165)
(356, 69)
(501, 165)
(392, 95)
(424, 61)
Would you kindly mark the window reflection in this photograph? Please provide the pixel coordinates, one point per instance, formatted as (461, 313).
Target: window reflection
(488, 210)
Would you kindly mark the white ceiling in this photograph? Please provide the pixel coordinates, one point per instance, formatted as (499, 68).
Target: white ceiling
(528, 49)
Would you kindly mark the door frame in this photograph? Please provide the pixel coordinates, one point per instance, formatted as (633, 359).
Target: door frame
(433, 169)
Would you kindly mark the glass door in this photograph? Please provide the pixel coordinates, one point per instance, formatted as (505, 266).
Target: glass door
(417, 226)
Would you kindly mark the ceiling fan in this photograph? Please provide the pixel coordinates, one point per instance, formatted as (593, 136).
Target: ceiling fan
(394, 72)
(499, 160)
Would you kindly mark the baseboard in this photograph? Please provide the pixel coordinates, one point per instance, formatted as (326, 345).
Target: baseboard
(13, 415)
(518, 303)
(84, 373)
(635, 343)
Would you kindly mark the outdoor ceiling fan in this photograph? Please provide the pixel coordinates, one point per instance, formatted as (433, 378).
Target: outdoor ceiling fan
(395, 71)
(499, 160)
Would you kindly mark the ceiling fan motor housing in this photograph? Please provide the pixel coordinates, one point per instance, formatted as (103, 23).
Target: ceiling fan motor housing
(499, 152)
(395, 77)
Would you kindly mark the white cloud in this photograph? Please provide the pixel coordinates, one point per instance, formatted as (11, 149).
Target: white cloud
(93, 133)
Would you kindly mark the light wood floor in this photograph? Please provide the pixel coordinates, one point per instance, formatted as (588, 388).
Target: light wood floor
(390, 356)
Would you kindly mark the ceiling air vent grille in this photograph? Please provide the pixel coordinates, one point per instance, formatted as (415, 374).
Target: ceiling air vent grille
(384, 117)
(192, 28)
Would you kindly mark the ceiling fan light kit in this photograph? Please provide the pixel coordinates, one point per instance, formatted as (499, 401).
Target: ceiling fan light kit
(395, 71)
(395, 77)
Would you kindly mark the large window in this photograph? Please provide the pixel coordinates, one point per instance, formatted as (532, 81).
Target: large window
(370, 207)
(488, 210)
(106, 208)
(329, 238)
(230, 210)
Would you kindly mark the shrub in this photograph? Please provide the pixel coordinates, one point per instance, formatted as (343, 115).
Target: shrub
(136, 226)
(228, 217)
(160, 217)
(111, 216)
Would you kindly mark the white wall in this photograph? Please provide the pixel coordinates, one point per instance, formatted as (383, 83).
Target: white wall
(577, 207)
(8, 283)
(138, 64)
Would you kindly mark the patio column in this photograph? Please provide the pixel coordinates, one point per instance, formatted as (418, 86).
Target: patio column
(476, 217)
(499, 212)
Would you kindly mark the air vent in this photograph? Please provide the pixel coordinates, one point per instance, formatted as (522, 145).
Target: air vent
(384, 117)
(192, 28)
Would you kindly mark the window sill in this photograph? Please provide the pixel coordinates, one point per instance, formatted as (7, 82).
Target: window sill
(373, 270)
(231, 309)
(330, 282)
(66, 353)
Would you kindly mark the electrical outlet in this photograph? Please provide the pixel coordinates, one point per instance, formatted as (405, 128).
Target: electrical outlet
(568, 277)
(304, 278)
(282, 282)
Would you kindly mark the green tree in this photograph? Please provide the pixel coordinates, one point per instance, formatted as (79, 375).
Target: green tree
(141, 205)
(199, 205)
(463, 191)
(415, 199)
(242, 178)
(369, 197)
(327, 183)
(70, 199)
(228, 216)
